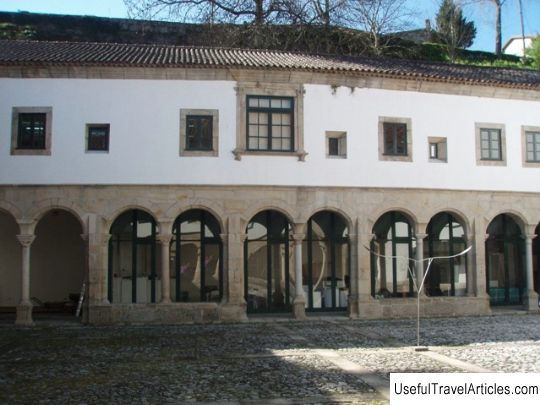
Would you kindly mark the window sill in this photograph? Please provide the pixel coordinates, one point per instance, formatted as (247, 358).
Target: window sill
(531, 163)
(238, 153)
(199, 153)
(30, 152)
(431, 160)
(395, 158)
(491, 162)
(336, 156)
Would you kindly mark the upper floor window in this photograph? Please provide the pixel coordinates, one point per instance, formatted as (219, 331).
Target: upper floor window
(336, 144)
(490, 144)
(437, 149)
(97, 137)
(31, 131)
(395, 139)
(270, 125)
(532, 142)
(199, 132)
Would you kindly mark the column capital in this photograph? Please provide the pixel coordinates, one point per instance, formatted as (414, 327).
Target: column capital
(164, 238)
(105, 238)
(298, 237)
(421, 236)
(26, 240)
(530, 236)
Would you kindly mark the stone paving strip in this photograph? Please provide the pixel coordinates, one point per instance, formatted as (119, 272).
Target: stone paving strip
(334, 361)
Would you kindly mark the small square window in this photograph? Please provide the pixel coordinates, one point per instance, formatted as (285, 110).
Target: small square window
(437, 149)
(199, 133)
(336, 144)
(97, 137)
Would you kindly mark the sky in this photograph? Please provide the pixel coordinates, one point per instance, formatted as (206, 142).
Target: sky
(482, 15)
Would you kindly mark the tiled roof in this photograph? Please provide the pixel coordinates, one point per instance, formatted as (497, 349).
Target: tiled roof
(38, 53)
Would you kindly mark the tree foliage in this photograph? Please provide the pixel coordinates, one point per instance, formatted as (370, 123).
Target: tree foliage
(452, 29)
(533, 52)
(379, 18)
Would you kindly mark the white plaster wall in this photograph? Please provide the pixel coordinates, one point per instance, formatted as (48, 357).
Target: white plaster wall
(144, 118)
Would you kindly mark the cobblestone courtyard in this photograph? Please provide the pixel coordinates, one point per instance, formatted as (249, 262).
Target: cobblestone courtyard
(324, 360)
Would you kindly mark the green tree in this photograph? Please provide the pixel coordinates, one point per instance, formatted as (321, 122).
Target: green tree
(533, 52)
(13, 31)
(452, 29)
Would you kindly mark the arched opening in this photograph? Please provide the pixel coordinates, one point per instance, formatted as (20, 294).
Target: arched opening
(536, 260)
(326, 262)
(267, 260)
(57, 263)
(197, 256)
(392, 245)
(10, 265)
(134, 268)
(446, 237)
(505, 263)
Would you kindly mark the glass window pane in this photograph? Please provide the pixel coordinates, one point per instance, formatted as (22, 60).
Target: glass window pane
(263, 118)
(253, 143)
(264, 102)
(276, 144)
(276, 131)
(263, 143)
(276, 103)
(276, 119)
(286, 103)
(253, 118)
(253, 130)
(253, 102)
(286, 144)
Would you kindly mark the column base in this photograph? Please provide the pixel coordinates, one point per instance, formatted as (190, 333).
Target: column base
(299, 309)
(530, 301)
(233, 312)
(24, 315)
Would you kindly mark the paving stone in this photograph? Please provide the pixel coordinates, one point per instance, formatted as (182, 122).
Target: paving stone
(260, 362)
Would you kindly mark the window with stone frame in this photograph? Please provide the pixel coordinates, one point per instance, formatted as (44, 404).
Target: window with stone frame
(395, 139)
(31, 131)
(490, 144)
(277, 120)
(270, 123)
(199, 132)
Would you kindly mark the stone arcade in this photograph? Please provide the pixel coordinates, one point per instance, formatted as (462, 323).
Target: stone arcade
(200, 185)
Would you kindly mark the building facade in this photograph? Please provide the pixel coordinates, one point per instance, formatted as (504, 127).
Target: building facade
(200, 185)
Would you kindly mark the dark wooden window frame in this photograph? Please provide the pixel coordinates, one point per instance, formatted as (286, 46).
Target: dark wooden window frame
(90, 146)
(199, 141)
(269, 111)
(491, 141)
(393, 127)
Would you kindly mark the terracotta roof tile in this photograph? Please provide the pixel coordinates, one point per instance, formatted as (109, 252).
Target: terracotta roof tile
(40, 53)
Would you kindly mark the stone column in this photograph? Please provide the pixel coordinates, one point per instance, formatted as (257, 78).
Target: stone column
(234, 308)
(420, 265)
(299, 299)
(165, 241)
(354, 275)
(480, 259)
(530, 297)
(470, 268)
(24, 309)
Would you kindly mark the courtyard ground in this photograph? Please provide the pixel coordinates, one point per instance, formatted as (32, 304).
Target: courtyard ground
(265, 361)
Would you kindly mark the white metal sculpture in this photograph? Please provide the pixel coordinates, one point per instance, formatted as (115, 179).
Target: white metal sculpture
(419, 288)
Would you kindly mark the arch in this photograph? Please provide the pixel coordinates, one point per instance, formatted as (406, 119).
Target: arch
(42, 209)
(134, 270)
(446, 236)
(505, 250)
(109, 220)
(413, 220)
(197, 253)
(344, 216)
(326, 262)
(268, 283)
(202, 207)
(57, 260)
(517, 216)
(458, 215)
(391, 247)
(276, 205)
(10, 209)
